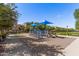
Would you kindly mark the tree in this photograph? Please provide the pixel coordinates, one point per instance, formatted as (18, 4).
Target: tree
(27, 26)
(8, 16)
(76, 15)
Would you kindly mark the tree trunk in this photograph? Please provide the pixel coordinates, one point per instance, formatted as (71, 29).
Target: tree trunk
(3, 36)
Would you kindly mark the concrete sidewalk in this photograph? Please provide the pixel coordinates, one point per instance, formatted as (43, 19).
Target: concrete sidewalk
(72, 49)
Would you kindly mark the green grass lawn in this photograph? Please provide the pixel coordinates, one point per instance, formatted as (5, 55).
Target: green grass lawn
(68, 33)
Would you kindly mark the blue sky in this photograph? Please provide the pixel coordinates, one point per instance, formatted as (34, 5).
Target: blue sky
(61, 14)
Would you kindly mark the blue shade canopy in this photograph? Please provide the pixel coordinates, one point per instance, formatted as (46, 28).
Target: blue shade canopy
(46, 22)
(34, 25)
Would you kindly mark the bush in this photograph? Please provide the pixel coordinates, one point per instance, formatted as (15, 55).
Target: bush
(68, 33)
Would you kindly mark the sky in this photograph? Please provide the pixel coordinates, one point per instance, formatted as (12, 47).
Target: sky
(60, 14)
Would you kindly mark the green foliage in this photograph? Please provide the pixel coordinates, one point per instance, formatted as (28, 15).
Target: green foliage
(77, 25)
(8, 16)
(76, 15)
(60, 29)
(41, 27)
(27, 26)
(46, 27)
(68, 33)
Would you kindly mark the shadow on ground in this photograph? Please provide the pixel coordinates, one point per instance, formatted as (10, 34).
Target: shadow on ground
(26, 47)
(2, 48)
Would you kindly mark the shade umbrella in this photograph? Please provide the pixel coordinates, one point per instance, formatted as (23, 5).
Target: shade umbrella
(34, 25)
(46, 22)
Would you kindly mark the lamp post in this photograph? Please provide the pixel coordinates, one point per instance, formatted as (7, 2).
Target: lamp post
(67, 30)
